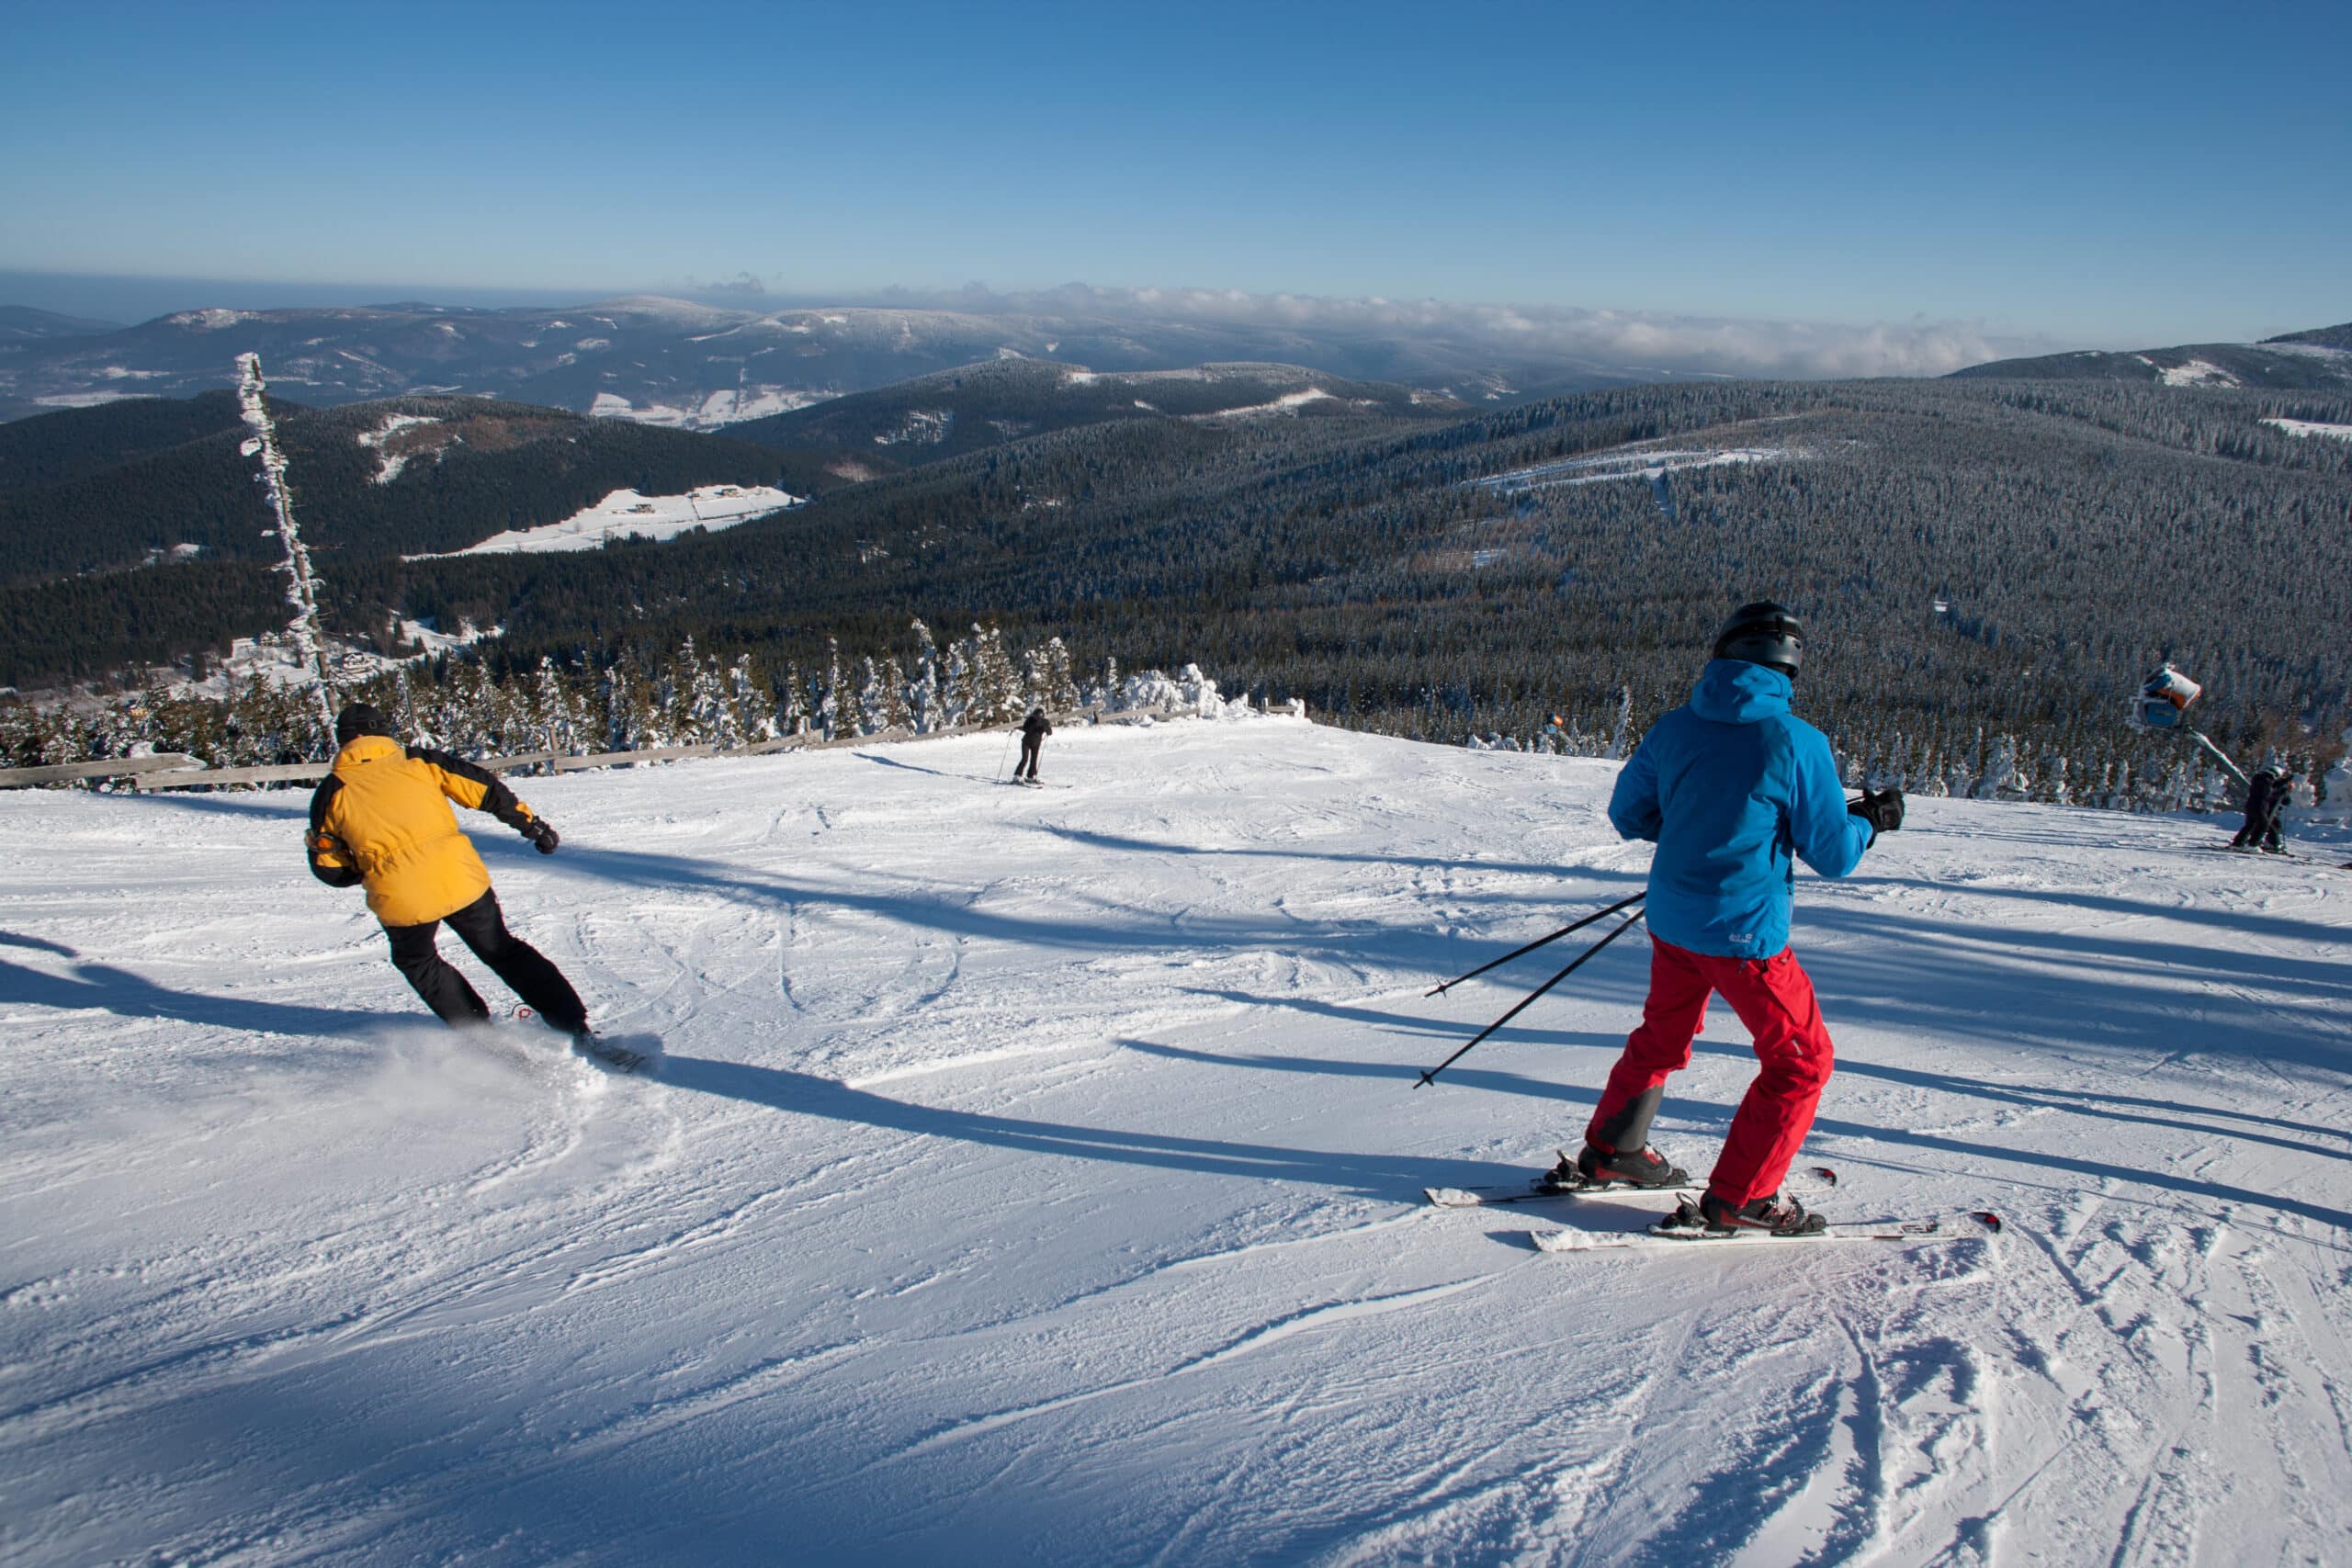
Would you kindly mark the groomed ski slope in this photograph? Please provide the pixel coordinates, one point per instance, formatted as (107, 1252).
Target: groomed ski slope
(1035, 1177)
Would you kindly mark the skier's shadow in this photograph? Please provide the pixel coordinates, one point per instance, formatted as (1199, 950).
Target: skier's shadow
(101, 988)
(38, 943)
(915, 767)
(1386, 1177)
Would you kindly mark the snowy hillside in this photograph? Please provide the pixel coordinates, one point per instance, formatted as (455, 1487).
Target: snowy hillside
(1035, 1177)
(626, 515)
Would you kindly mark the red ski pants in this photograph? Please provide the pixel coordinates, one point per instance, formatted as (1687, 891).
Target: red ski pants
(1774, 998)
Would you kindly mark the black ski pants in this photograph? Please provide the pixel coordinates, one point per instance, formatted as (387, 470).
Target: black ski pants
(525, 968)
(2261, 830)
(1030, 745)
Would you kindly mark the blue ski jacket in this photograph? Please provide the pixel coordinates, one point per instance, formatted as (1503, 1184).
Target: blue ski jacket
(1729, 786)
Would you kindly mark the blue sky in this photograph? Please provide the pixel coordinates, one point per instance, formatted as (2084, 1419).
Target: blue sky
(2123, 175)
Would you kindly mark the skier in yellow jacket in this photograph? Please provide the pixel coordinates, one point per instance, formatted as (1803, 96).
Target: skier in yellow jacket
(382, 818)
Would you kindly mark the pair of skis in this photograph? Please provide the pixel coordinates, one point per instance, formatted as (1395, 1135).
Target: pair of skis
(1666, 1232)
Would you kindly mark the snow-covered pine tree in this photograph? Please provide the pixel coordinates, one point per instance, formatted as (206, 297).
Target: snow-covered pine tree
(897, 715)
(829, 717)
(1061, 689)
(1623, 727)
(957, 705)
(999, 683)
(301, 583)
(870, 702)
(922, 697)
(754, 702)
(555, 711)
(792, 702)
(622, 697)
(671, 694)
(712, 709)
(1034, 680)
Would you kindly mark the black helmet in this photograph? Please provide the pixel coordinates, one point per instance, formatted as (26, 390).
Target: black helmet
(358, 719)
(1763, 633)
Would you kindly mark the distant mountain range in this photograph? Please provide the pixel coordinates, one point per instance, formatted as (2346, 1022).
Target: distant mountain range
(950, 412)
(20, 323)
(675, 363)
(2318, 359)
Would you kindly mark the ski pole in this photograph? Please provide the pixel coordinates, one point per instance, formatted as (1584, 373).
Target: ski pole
(1539, 942)
(1431, 1077)
(1000, 756)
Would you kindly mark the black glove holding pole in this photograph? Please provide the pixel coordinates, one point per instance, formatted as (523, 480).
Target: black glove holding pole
(1883, 810)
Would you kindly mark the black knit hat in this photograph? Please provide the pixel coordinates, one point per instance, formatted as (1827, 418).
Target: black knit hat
(1764, 632)
(358, 719)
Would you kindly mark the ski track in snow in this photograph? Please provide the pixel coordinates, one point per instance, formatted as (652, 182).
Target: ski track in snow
(1036, 1176)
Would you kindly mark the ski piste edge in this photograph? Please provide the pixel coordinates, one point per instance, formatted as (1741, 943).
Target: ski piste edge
(1820, 1178)
(1977, 1222)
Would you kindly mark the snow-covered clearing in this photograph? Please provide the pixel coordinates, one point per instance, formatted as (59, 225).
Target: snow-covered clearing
(2312, 427)
(1035, 1177)
(1288, 403)
(2198, 373)
(1633, 463)
(627, 515)
(389, 464)
(728, 406)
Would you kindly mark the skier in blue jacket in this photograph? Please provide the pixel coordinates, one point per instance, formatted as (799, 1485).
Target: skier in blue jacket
(1733, 789)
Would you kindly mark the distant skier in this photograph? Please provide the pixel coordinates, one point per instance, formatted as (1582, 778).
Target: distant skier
(1033, 730)
(1728, 786)
(2266, 800)
(382, 818)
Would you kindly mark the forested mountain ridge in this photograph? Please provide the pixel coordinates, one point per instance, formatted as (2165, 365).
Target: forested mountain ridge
(2323, 337)
(952, 413)
(51, 447)
(400, 476)
(22, 323)
(1977, 559)
(2321, 358)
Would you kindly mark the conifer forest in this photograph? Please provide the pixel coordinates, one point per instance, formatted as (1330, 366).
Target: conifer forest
(1988, 568)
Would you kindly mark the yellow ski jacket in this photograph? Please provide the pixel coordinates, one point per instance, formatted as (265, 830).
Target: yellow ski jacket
(383, 818)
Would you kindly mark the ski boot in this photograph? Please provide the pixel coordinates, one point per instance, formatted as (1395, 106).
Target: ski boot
(1778, 1215)
(1591, 1168)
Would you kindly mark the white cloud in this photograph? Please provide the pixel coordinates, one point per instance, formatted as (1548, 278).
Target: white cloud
(1684, 344)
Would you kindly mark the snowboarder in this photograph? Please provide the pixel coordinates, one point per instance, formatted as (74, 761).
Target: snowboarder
(1729, 786)
(382, 818)
(2266, 799)
(1033, 730)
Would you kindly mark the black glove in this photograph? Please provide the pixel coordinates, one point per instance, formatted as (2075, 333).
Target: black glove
(539, 830)
(1883, 811)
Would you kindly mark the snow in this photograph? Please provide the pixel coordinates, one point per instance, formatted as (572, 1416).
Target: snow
(1288, 403)
(1633, 463)
(2200, 373)
(389, 464)
(624, 514)
(716, 409)
(210, 321)
(86, 400)
(1035, 1177)
(2310, 427)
